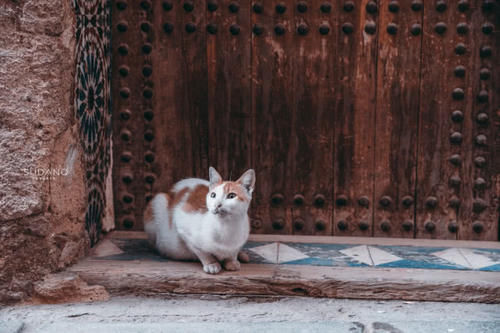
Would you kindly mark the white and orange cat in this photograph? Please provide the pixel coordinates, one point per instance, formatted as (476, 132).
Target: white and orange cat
(204, 220)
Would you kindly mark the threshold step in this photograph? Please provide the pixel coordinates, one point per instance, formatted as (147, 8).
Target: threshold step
(125, 264)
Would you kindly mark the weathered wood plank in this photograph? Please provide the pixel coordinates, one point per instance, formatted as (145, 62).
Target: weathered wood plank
(272, 96)
(128, 124)
(229, 88)
(146, 136)
(312, 147)
(494, 167)
(354, 122)
(173, 135)
(478, 216)
(440, 146)
(154, 278)
(195, 95)
(398, 85)
(181, 98)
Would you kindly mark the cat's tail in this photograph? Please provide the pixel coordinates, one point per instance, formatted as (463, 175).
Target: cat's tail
(156, 212)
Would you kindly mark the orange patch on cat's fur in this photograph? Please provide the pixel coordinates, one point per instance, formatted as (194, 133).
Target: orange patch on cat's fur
(196, 201)
(236, 188)
(175, 197)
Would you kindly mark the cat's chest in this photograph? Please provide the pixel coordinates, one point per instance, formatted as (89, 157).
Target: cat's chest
(212, 235)
(224, 242)
(230, 239)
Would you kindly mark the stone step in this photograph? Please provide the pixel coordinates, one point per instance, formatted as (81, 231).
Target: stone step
(125, 264)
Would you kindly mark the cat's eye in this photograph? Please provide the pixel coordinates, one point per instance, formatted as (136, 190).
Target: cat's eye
(212, 195)
(231, 195)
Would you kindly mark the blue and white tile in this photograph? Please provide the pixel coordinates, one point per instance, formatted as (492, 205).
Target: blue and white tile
(267, 253)
(418, 257)
(313, 262)
(333, 255)
(289, 254)
(374, 256)
(278, 253)
(254, 257)
(493, 268)
(370, 255)
(466, 258)
(321, 254)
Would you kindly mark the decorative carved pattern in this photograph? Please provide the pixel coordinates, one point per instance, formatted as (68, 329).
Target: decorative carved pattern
(92, 103)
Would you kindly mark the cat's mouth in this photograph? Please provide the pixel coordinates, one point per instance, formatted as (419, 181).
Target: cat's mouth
(219, 211)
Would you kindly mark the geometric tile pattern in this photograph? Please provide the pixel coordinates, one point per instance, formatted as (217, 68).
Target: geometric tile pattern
(370, 255)
(469, 258)
(374, 255)
(278, 253)
(268, 252)
(334, 255)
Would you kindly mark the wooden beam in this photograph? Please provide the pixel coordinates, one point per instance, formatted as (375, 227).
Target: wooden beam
(156, 278)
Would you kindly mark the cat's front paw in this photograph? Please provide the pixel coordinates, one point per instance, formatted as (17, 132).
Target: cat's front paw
(212, 268)
(232, 265)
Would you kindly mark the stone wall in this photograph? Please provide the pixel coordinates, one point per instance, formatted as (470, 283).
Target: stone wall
(54, 137)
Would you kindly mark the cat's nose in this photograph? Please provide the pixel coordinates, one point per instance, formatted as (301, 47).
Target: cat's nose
(219, 205)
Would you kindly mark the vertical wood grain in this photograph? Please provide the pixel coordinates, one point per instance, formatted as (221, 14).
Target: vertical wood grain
(355, 123)
(478, 215)
(173, 138)
(312, 145)
(229, 93)
(128, 124)
(195, 95)
(440, 144)
(272, 97)
(181, 113)
(398, 86)
(375, 124)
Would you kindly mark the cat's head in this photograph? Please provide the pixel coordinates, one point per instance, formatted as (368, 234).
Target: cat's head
(230, 198)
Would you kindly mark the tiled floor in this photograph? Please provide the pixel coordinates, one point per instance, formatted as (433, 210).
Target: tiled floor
(346, 255)
(375, 256)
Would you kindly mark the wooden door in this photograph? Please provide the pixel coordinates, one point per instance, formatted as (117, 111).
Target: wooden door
(361, 118)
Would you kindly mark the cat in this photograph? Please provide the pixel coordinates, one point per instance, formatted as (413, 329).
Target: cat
(202, 220)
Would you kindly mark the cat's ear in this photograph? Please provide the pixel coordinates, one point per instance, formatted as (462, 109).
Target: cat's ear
(248, 180)
(214, 177)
